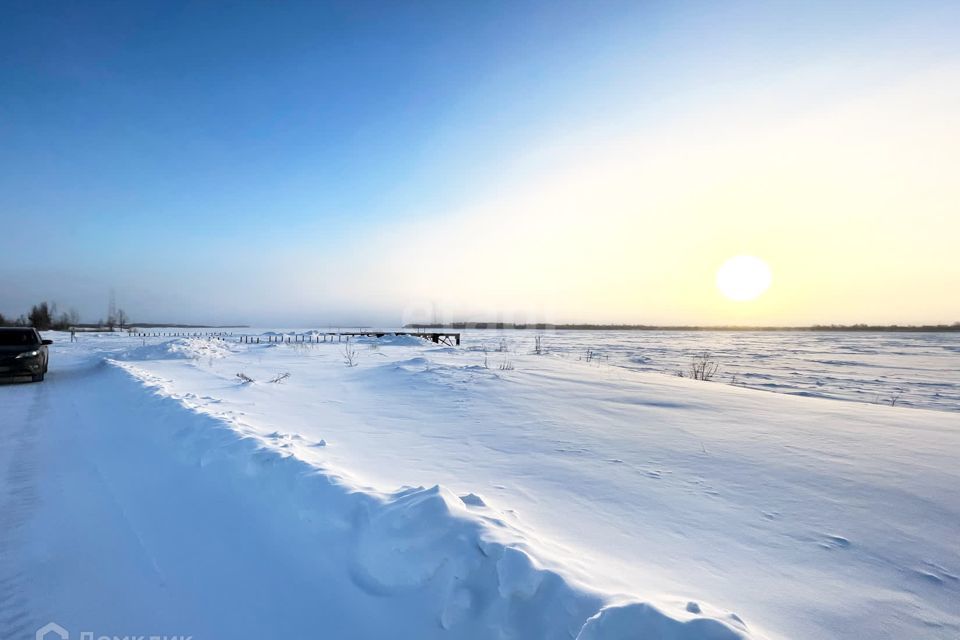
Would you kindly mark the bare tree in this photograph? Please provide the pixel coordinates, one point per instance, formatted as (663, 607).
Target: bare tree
(703, 368)
(62, 322)
(538, 345)
(349, 354)
(122, 318)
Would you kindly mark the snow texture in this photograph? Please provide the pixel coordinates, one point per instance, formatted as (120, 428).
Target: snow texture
(146, 491)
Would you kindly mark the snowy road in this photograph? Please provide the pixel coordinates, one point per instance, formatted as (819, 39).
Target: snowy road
(155, 494)
(102, 532)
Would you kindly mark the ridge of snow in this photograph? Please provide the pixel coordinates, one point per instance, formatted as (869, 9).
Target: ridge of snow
(473, 569)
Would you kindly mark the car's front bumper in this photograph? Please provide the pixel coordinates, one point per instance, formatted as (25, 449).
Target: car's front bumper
(12, 367)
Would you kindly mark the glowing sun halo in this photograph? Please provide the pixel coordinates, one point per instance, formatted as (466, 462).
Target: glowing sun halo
(743, 278)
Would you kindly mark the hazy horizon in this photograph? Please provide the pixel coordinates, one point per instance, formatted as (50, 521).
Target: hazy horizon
(345, 163)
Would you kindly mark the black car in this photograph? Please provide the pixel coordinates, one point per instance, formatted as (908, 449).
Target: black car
(23, 353)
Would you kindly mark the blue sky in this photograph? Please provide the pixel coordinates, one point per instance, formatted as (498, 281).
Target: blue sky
(246, 161)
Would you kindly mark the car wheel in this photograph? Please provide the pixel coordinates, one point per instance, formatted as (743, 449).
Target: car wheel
(38, 377)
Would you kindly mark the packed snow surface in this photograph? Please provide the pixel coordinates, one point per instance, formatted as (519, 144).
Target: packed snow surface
(439, 492)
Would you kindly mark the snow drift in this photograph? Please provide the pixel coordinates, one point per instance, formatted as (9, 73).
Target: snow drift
(560, 498)
(468, 569)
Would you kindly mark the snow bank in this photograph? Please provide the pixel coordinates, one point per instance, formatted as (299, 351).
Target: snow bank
(392, 340)
(461, 561)
(193, 348)
(641, 620)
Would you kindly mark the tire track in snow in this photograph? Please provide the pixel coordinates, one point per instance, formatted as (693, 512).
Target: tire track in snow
(19, 498)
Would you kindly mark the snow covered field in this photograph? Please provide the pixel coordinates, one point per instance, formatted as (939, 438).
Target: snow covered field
(908, 369)
(146, 490)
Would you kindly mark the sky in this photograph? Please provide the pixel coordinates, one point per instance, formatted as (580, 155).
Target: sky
(313, 164)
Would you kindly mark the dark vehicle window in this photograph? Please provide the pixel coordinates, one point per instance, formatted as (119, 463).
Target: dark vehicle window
(17, 338)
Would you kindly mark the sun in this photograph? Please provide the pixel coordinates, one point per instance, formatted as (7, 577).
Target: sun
(744, 278)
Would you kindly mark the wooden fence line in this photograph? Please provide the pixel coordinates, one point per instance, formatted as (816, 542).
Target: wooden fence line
(449, 339)
(180, 334)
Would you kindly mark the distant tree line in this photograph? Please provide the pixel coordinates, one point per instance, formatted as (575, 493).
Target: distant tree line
(45, 316)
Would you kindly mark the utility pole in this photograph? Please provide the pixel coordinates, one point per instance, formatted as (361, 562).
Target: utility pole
(112, 309)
